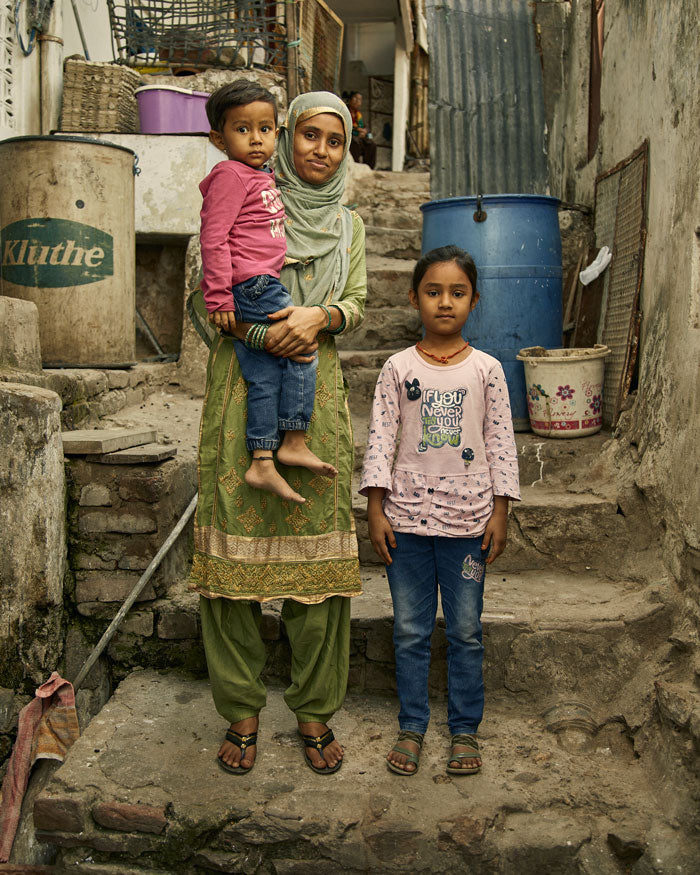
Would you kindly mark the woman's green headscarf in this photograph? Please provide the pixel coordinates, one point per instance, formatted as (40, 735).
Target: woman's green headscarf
(319, 228)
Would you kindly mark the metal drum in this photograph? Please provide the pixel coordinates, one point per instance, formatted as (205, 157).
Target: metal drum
(515, 241)
(67, 243)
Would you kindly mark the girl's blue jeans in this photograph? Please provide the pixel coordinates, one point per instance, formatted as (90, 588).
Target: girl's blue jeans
(280, 392)
(421, 564)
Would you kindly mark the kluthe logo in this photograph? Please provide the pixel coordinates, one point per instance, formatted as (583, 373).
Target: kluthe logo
(55, 253)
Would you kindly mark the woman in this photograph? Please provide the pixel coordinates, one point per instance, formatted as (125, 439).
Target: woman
(362, 147)
(250, 546)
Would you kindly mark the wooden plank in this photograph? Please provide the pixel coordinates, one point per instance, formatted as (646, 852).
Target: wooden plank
(105, 440)
(141, 455)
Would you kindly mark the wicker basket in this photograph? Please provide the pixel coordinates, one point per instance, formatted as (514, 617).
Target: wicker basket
(99, 98)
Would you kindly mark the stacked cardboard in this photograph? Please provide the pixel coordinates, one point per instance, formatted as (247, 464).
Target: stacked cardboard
(99, 97)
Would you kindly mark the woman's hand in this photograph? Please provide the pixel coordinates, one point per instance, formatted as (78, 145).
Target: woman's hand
(296, 335)
(496, 529)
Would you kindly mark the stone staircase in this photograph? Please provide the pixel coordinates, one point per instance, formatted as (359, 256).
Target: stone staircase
(576, 613)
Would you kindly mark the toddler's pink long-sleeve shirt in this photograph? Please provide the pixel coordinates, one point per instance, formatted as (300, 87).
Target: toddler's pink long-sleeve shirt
(242, 231)
(457, 448)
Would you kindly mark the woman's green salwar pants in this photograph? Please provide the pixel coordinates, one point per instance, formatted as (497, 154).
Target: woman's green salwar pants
(319, 637)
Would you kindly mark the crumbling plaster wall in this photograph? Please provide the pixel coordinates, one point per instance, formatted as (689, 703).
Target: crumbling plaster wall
(651, 89)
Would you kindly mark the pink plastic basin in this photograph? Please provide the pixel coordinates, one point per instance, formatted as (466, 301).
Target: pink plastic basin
(164, 109)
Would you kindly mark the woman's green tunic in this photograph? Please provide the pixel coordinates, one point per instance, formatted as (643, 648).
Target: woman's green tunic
(250, 544)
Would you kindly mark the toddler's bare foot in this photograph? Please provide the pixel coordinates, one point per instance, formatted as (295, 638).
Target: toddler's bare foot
(262, 474)
(294, 452)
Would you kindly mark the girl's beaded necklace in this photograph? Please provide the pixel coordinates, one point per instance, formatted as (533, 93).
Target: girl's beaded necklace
(443, 359)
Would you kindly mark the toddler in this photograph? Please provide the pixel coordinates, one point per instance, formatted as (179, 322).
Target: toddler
(243, 251)
(438, 513)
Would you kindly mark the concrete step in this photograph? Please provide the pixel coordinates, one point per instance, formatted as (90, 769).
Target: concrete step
(393, 242)
(552, 528)
(391, 182)
(547, 634)
(90, 394)
(141, 791)
(382, 213)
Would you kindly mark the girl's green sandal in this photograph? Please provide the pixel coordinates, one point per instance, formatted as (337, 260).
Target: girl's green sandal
(405, 735)
(472, 753)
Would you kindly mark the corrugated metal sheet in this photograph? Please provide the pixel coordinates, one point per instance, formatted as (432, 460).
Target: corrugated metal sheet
(486, 105)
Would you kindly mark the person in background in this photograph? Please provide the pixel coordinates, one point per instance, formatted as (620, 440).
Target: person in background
(362, 147)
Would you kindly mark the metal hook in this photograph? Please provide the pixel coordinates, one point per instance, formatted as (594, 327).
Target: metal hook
(479, 215)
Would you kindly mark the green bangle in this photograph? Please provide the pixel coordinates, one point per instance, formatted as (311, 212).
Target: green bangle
(343, 322)
(260, 330)
(248, 340)
(327, 326)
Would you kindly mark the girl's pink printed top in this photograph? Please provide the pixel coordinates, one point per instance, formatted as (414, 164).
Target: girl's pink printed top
(457, 447)
(242, 231)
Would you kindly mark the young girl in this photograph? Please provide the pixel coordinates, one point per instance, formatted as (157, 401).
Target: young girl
(441, 509)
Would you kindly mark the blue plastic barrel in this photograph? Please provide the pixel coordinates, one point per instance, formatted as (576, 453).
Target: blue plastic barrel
(515, 242)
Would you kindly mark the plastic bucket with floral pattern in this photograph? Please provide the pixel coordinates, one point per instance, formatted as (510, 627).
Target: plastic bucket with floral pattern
(564, 390)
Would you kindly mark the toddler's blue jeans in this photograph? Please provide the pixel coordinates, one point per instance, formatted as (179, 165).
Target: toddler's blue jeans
(421, 564)
(280, 392)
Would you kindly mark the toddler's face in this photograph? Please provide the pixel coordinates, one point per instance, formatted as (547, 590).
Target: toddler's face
(248, 133)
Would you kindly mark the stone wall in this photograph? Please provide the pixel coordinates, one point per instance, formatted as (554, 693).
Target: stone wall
(118, 517)
(651, 89)
(32, 547)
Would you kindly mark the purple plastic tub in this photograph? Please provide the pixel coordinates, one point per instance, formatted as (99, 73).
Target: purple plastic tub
(164, 109)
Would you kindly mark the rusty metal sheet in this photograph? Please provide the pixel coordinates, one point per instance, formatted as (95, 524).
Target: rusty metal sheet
(486, 103)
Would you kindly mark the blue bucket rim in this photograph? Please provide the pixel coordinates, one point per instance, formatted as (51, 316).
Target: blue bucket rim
(491, 199)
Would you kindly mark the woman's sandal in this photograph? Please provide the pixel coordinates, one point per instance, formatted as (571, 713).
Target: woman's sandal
(472, 754)
(319, 742)
(242, 741)
(406, 735)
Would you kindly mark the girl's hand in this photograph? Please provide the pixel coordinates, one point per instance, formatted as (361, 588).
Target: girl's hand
(380, 531)
(496, 532)
(297, 334)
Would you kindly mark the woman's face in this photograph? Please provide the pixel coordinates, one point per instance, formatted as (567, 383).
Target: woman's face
(355, 101)
(319, 146)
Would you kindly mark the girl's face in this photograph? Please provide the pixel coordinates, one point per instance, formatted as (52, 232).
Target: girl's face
(319, 146)
(444, 298)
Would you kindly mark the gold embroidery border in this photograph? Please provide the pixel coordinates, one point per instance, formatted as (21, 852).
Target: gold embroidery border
(309, 583)
(335, 546)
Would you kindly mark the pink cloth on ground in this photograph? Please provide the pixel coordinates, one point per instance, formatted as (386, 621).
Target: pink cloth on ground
(47, 728)
(457, 447)
(242, 231)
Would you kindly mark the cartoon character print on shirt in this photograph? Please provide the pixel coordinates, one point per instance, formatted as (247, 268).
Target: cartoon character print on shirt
(468, 456)
(441, 418)
(472, 569)
(413, 390)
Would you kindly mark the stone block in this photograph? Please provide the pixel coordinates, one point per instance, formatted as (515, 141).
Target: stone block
(92, 562)
(135, 563)
(58, 812)
(131, 845)
(94, 382)
(138, 624)
(270, 628)
(20, 349)
(129, 817)
(10, 706)
(93, 586)
(177, 625)
(95, 495)
(118, 379)
(94, 522)
(142, 485)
